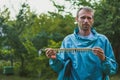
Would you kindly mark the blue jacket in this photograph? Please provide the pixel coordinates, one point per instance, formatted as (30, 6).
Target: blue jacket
(78, 65)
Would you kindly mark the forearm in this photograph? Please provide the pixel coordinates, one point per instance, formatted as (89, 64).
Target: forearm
(109, 66)
(56, 64)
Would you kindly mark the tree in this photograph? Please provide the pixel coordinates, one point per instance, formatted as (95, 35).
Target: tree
(107, 22)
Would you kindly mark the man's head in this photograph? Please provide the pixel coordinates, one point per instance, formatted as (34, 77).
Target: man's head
(85, 18)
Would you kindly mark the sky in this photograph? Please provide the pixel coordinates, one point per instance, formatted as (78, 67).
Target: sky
(39, 6)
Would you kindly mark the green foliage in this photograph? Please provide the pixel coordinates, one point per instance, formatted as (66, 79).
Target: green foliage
(6, 54)
(107, 19)
(53, 44)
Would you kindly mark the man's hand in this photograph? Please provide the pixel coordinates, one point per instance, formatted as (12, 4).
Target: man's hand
(50, 53)
(99, 52)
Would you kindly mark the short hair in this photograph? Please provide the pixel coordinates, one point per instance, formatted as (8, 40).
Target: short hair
(86, 8)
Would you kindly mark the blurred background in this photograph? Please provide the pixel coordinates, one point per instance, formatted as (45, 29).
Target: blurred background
(26, 26)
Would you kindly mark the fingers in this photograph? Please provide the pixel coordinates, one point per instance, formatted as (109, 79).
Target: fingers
(50, 53)
(99, 52)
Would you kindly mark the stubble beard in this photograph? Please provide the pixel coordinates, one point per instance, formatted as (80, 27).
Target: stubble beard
(84, 28)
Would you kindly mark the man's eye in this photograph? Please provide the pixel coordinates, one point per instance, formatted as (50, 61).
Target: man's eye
(89, 18)
(82, 17)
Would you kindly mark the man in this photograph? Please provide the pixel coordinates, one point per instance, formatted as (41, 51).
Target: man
(97, 64)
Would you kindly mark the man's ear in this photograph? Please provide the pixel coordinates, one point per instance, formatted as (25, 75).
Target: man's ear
(76, 19)
(93, 20)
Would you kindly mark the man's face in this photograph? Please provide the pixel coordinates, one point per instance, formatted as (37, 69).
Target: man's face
(85, 20)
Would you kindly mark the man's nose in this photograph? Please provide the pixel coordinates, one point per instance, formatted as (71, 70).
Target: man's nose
(86, 20)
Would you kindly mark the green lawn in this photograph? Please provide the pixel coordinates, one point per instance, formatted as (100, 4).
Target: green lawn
(13, 77)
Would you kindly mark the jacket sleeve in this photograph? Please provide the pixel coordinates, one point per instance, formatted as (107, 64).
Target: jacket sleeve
(56, 65)
(59, 63)
(109, 65)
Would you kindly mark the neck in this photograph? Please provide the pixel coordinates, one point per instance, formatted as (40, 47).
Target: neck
(84, 32)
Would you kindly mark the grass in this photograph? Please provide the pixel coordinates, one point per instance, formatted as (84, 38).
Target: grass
(15, 77)
(12, 77)
(115, 77)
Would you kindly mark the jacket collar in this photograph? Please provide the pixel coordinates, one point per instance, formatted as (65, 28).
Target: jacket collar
(95, 34)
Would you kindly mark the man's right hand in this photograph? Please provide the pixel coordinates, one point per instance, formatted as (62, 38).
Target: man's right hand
(50, 53)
